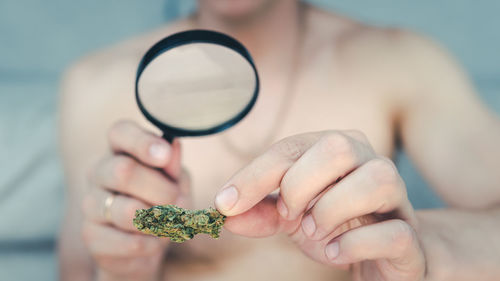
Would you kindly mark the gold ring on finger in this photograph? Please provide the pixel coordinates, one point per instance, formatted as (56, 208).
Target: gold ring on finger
(107, 206)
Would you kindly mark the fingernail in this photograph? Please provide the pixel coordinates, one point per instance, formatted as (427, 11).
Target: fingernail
(308, 225)
(282, 209)
(158, 151)
(332, 250)
(226, 199)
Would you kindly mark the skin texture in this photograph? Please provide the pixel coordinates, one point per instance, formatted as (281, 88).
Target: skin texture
(357, 89)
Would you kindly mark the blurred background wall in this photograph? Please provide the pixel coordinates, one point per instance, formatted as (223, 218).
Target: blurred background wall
(39, 39)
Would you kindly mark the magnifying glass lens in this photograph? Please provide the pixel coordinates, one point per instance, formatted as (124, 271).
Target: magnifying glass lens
(197, 87)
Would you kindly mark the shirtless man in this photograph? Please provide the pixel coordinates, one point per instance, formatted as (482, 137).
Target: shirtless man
(340, 94)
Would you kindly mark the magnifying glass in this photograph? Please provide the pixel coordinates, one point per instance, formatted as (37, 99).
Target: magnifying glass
(196, 83)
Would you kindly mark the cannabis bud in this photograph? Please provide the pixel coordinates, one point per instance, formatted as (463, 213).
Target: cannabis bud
(177, 223)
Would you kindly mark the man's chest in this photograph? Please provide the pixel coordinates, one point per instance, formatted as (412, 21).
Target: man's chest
(212, 160)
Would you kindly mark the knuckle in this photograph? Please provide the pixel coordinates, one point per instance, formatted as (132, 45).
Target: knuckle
(383, 171)
(386, 179)
(358, 135)
(337, 144)
(122, 169)
(287, 148)
(117, 129)
(403, 236)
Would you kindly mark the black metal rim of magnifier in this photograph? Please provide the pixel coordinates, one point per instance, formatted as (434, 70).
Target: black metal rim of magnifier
(188, 37)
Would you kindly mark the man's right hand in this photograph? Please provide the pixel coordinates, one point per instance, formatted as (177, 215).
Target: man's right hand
(143, 170)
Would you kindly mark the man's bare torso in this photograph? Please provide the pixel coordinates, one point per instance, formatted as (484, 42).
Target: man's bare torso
(334, 86)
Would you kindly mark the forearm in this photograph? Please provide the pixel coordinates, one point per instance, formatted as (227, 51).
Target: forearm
(460, 244)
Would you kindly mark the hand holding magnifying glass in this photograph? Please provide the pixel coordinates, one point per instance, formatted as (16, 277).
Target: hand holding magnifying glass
(192, 83)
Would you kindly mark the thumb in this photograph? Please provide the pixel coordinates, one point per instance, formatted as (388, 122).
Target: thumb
(174, 167)
(262, 220)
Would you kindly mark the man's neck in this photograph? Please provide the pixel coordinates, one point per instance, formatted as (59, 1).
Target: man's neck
(267, 34)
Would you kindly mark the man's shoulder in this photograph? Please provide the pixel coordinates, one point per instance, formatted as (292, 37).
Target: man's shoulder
(115, 64)
(356, 41)
(98, 89)
(391, 60)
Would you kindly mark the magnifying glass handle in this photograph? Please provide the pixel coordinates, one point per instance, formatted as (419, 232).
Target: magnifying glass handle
(168, 138)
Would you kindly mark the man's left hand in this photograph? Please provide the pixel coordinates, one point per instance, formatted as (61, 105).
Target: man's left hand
(340, 202)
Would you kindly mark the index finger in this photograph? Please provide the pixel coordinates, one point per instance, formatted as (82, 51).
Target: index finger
(262, 176)
(129, 138)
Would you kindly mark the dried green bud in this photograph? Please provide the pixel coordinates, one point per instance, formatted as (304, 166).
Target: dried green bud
(177, 223)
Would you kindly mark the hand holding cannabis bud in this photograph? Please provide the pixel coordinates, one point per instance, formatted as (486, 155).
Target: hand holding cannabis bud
(341, 203)
(143, 170)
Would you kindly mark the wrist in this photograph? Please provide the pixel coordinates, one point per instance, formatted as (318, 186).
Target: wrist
(437, 248)
(460, 244)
